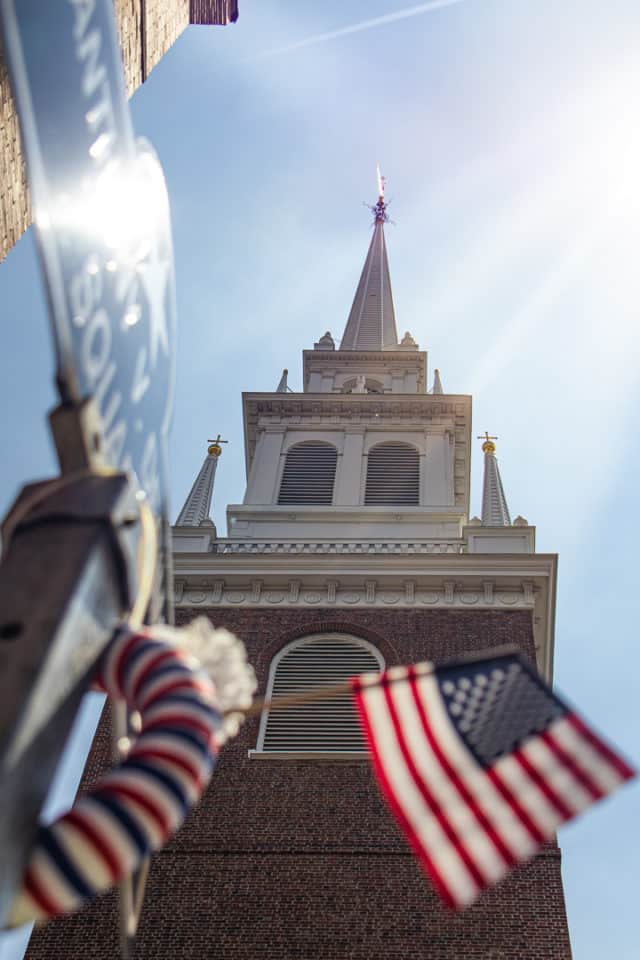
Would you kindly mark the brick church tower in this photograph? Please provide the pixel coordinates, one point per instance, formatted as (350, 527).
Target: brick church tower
(352, 549)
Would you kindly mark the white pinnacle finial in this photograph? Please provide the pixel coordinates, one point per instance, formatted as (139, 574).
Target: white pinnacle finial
(437, 382)
(495, 512)
(381, 183)
(195, 511)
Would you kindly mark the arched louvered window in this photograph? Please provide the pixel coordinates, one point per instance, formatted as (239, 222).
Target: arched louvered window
(309, 473)
(393, 474)
(324, 726)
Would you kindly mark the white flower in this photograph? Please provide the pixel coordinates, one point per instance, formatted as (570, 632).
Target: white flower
(224, 657)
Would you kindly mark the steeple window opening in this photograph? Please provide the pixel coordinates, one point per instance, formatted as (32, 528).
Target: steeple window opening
(309, 474)
(362, 385)
(323, 726)
(393, 475)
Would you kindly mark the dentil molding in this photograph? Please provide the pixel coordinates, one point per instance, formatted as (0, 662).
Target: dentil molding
(371, 593)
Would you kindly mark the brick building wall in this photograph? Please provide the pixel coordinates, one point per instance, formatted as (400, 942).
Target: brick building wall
(147, 29)
(298, 860)
(15, 204)
(164, 22)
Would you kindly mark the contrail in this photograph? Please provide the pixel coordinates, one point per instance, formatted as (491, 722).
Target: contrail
(363, 25)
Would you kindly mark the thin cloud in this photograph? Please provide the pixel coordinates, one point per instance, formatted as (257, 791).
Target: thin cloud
(512, 339)
(405, 14)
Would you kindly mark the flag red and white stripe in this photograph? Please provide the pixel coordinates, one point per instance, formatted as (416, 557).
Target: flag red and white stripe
(470, 821)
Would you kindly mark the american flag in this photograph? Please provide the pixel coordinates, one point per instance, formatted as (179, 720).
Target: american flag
(480, 762)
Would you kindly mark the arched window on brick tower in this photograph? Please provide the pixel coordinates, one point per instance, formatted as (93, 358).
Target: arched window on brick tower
(325, 726)
(309, 473)
(393, 474)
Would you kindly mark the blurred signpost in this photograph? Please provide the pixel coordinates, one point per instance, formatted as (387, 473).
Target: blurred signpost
(74, 548)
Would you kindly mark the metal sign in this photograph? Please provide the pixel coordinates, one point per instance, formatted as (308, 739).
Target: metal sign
(102, 218)
(101, 215)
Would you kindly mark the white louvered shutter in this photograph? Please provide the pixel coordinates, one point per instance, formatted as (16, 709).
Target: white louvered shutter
(325, 726)
(309, 473)
(393, 474)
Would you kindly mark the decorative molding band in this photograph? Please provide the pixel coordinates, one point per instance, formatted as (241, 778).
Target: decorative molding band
(413, 417)
(341, 404)
(371, 594)
(227, 547)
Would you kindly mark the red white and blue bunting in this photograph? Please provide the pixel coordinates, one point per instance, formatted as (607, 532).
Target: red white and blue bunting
(183, 685)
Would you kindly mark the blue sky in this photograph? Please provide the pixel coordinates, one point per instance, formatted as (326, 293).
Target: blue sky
(509, 132)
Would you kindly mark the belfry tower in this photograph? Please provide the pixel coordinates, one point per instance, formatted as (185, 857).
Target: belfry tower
(353, 549)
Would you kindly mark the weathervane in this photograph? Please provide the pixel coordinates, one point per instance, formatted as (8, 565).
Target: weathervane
(379, 210)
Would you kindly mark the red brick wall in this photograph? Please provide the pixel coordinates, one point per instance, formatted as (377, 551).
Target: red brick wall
(300, 860)
(152, 24)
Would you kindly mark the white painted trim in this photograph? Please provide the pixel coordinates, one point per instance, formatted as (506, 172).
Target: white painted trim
(295, 437)
(412, 438)
(346, 513)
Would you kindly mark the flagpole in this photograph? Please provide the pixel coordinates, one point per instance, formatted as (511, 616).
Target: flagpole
(296, 699)
(334, 690)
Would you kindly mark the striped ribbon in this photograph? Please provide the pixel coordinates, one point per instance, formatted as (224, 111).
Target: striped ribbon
(135, 807)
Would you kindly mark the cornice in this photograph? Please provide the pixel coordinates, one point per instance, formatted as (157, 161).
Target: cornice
(456, 404)
(466, 565)
(343, 358)
(346, 514)
(388, 411)
(483, 582)
(374, 360)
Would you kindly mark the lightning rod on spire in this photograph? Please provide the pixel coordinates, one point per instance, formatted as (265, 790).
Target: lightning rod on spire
(379, 211)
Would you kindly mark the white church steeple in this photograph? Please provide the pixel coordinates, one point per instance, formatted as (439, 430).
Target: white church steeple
(358, 490)
(364, 452)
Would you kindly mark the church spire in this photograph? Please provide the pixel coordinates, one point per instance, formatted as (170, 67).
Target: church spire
(195, 511)
(283, 386)
(437, 382)
(495, 512)
(372, 321)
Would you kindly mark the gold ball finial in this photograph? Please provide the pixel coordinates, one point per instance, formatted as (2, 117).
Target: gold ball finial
(214, 450)
(488, 446)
